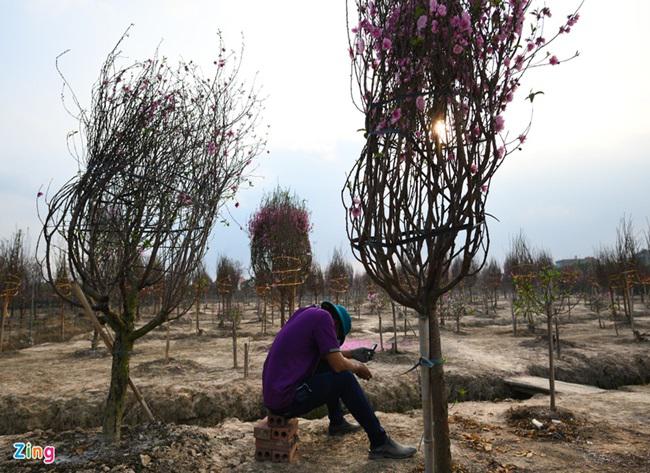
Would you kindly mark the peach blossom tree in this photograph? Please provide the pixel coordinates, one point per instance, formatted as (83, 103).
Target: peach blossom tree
(434, 79)
(159, 151)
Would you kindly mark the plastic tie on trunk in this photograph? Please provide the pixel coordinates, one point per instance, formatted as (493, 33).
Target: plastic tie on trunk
(426, 363)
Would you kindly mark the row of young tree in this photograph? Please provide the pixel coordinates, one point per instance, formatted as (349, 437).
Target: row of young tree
(611, 280)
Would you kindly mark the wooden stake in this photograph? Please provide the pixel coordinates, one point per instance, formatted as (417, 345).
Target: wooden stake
(109, 344)
(167, 342)
(245, 360)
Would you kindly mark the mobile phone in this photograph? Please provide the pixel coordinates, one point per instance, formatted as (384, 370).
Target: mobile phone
(374, 347)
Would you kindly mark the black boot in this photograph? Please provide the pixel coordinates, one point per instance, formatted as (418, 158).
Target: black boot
(343, 428)
(391, 449)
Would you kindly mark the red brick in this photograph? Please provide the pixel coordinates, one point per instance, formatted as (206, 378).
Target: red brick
(262, 454)
(278, 445)
(277, 421)
(263, 431)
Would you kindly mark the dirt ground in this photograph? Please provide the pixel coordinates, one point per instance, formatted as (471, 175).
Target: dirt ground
(53, 394)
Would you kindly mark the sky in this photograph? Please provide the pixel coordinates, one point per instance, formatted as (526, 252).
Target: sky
(583, 167)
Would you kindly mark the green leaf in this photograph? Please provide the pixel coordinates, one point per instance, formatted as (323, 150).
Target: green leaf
(532, 95)
(417, 41)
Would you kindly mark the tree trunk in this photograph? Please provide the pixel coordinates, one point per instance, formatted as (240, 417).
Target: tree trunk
(95, 339)
(392, 304)
(122, 347)
(630, 306)
(32, 315)
(557, 337)
(630, 303)
(427, 415)
(264, 318)
(234, 340)
(514, 316)
(282, 311)
(442, 445)
(551, 361)
(5, 306)
(198, 307)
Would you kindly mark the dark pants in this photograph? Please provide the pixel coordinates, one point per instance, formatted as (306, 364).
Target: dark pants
(330, 388)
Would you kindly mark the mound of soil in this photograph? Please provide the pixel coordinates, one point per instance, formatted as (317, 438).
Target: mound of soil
(154, 447)
(101, 352)
(604, 371)
(561, 425)
(172, 367)
(542, 341)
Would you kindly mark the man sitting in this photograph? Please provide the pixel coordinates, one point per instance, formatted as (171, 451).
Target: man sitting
(305, 368)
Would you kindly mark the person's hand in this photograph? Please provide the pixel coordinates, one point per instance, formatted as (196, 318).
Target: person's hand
(362, 371)
(362, 354)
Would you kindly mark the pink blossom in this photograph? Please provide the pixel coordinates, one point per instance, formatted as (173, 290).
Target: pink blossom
(530, 46)
(554, 61)
(433, 6)
(519, 62)
(434, 26)
(473, 169)
(499, 124)
(356, 201)
(451, 156)
(361, 46)
(501, 152)
(422, 22)
(396, 115)
(387, 44)
(212, 147)
(458, 49)
(355, 212)
(236, 205)
(419, 103)
(476, 131)
(40, 194)
(522, 139)
(484, 188)
(442, 10)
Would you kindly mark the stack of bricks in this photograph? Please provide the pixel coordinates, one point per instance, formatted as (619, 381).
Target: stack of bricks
(276, 439)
